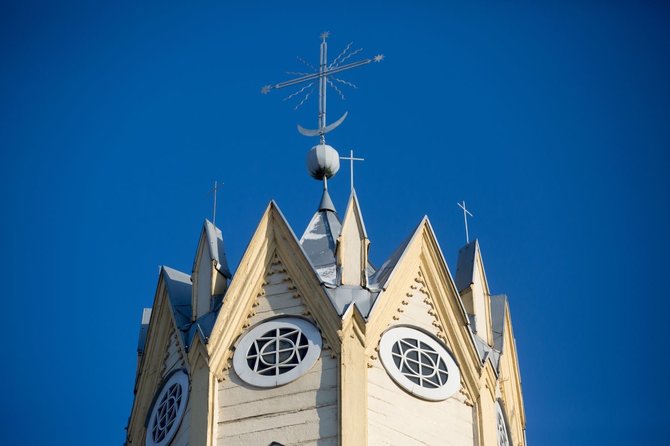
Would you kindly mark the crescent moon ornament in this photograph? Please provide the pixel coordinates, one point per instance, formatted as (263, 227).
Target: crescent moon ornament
(326, 70)
(324, 130)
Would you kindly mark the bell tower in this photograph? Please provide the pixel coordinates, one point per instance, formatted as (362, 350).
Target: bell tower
(308, 342)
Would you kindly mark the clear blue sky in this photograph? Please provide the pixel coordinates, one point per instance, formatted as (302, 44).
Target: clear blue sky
(550, 119)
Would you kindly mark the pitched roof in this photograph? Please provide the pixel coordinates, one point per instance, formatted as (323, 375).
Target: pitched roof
(217, 251)
(380, 278)
(465, 265)
(498, 310)
(178, 285)
(319, 242)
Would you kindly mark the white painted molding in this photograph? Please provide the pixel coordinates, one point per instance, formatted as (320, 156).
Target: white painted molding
(419, 363)
(300, 351)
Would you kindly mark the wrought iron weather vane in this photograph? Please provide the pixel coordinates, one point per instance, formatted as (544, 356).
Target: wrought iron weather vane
(323, 75)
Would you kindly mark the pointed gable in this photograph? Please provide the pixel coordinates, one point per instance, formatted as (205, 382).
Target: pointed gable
(352, 246)
(164, 347)
(421, 272)
(275, 278)
(474, 290)
(210, 270)
(508, 369)
(418, 292)
(273, 239)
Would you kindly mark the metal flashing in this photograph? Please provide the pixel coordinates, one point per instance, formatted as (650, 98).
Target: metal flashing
(326, 203)
(343, 296)
(217, 252)
(144, 328)
(498, 313)
(382, 275)
(465, 266)
(319, 242)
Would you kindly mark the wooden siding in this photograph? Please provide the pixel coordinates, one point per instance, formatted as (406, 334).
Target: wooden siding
(398, 418)
(418, 311)
(302, 412)
(174, 358)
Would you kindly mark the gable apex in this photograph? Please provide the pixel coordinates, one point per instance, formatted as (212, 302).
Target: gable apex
(273, 238)
(178, 287)
(382, 276)
(465, 265)
(210, 272)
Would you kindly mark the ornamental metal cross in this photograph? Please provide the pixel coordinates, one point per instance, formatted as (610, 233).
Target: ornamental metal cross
(351, 164)
(322, 75)
(465, 217)
(215, 190)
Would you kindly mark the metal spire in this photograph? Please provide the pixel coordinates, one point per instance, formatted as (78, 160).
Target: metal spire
(351, 164)
(215, 190)
(323, 75)
(465, 218)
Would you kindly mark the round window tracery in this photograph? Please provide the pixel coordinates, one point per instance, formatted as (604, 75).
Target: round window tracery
(503, 435)
(419, 363)
(277, 352)
(168, 410)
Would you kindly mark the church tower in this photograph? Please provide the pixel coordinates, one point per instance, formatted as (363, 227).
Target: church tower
(308, 343)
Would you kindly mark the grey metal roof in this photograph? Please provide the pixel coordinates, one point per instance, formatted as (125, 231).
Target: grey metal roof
(202, 327)
(319, 242)
(217, 251)
(344, 295)
(498, 309)
(465, 265)
(179, 289)
(144, 328)
(178, 286)
(326, 203)
(382, 275)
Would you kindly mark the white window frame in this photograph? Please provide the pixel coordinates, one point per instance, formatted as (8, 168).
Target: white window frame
(249, 376)
(395, 334)
(179, 377)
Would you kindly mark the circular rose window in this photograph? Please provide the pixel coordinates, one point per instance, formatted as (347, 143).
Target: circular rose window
(277, 352)
(419, 363)
(168, 410)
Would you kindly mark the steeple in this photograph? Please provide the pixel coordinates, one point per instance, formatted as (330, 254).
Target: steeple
(352, 246)
(474, 290)
(210, 270)
(309, 343)
(320, 238)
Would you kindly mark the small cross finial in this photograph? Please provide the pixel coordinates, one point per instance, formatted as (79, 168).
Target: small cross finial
(215, 189)
(351, 164)
(465, 218)
(325, 35)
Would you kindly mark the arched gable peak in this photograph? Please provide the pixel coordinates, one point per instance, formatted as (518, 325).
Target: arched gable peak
(420, 291)
(163, 350)
(275, 277)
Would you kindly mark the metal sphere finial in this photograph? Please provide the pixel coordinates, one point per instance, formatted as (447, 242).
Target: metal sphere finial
(322, 161)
